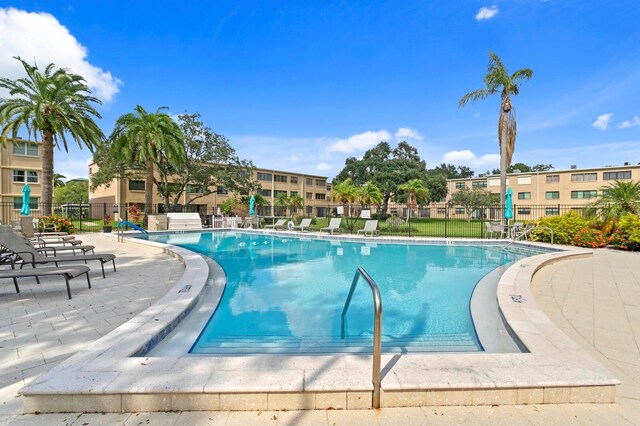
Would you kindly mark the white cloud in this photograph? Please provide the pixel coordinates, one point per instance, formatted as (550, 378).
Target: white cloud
(468, 158)
(359, 142)
(72, 168)
(40, 38)
(487, 13)
(635, 121)
(407, 134)
(323, 166)
(602, 122)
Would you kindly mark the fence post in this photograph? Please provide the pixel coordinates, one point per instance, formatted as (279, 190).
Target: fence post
(446, 219)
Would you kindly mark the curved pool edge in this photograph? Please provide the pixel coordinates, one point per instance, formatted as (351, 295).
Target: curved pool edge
(105, 378)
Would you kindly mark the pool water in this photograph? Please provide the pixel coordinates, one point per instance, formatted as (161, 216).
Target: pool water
(286, 294)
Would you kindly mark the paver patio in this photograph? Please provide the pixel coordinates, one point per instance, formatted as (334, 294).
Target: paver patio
(596, 301)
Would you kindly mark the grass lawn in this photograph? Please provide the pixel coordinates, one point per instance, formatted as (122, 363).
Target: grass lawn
(421, 227)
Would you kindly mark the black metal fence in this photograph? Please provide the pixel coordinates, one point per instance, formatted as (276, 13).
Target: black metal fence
(434, 220)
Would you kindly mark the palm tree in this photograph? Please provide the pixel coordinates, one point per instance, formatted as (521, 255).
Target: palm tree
(57, 180)
(370, 194)
(296, 202)
(417, 192)
(281, 200)
(346, 192)
(497, 80)
(146, 138)
(617, 199)
(55, 103)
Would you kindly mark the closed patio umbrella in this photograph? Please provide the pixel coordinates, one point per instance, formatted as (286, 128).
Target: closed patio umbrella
(508, 205)
(26, 193)
(252, 203)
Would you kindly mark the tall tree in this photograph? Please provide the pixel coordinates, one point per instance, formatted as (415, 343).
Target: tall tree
(55, 103)
(148, 138)
(281, 202)
(386, 168)
(618, 198)
(346, 192)
(75, 191)
(452, 172)
(498, 80)
(370, 194)
(57, 180)
(471, 200)
(296, 203)
(417, 193)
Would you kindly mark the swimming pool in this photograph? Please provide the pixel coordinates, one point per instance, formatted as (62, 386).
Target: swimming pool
(285, 294)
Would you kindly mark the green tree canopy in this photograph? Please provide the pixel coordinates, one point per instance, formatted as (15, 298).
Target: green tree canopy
(618, 198)
(75, 191)
(56, 103)
(498, 80)
(369, 194)
(471, 199)
(449, 171)
(386, 168)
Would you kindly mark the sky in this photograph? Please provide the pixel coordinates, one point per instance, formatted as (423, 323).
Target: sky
(301, 85)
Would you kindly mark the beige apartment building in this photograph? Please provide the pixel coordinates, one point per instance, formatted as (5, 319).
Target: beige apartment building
(20, 163)
(551, 190)
(315, 190)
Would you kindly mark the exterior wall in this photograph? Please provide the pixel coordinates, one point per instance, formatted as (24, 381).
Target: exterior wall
(10, 161)
(564, 184)
(313, 189)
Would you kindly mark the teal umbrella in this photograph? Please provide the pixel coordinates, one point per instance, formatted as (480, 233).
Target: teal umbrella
(26, 193)
(508, 204)
(252, 204)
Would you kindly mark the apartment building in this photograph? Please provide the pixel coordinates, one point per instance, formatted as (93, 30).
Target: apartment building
(20, 163)
(315, 190)
(554, 188)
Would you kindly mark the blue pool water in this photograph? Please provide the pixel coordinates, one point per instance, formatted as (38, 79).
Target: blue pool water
(286, 294)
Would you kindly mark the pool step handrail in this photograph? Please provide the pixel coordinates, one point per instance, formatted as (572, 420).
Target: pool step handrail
(377, 328)
(123, 223)
(527, 232)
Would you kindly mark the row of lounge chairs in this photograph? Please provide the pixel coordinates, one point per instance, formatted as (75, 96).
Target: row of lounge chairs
(370, 226)
(42, 256)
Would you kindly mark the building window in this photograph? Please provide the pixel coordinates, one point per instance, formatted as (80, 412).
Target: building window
(553, 178)
(294, 179)
(293, 194)
(617, 175)
(221, 190)
(264, 176)
(494, 182)
(195, 189)
(524, 180)
(480, 184)
(460, 210)
(524, 195)
(25, 176)
(265, 192)
(320, 196)
(552, 195)
(321, 182)
(460, 185)
(578, 195)
(136, 185)
(524, 211)
(276, 193)
(309, 195)
(34, 203)
(309, 209)
(24, 148)
(584, 177)
(552, 211)
(280, 178)
(328, 187)
(441, 210)
(309, 181)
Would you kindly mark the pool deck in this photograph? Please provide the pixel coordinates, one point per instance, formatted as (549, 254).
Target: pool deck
(596, 304)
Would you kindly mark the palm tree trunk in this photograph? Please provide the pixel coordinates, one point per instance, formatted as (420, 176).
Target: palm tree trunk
(503, 137)
(46, 180)
(148, 193)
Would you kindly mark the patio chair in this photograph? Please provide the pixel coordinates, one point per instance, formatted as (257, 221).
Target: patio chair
(304, 224)
(334, 226)
(67, 272)
(17, 245)
(523, 233)
(370, 227)
(280, 224)
(498, 230)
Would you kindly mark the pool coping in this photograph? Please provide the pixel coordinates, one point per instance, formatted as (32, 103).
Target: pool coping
(105, 377)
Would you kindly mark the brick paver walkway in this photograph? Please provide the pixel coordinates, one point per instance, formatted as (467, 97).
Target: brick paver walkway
(596, 301)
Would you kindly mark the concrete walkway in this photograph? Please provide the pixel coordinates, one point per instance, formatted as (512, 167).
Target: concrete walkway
(596, 301)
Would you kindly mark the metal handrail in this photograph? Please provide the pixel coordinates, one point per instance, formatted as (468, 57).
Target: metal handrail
(377, 328)
(527, 233)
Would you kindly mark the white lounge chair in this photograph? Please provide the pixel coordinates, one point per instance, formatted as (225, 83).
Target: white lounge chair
(334, 225)
(278, 225)
(304, 224)
(370, 227)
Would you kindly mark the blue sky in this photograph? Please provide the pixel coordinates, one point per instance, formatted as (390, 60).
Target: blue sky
(301, 85)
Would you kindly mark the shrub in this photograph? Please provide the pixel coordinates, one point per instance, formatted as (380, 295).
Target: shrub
(57, 223)
(627, 235)
(589, 237)
(564, 227)
(134, 212)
